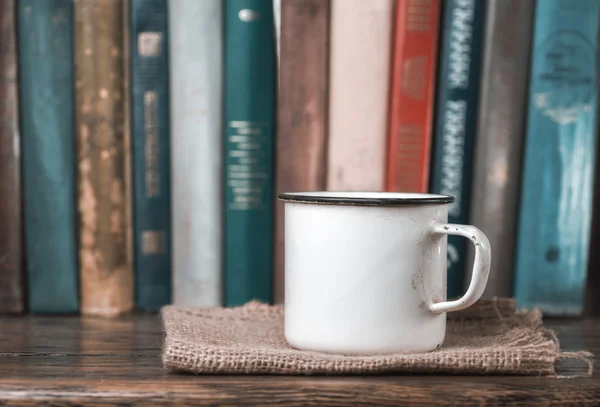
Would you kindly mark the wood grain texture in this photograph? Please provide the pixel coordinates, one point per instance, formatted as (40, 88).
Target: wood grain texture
(71, 361)
(11, 266)
(302, 114)
(104, 194)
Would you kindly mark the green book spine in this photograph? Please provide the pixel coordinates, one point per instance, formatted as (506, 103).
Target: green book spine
(250, 84)
(46, 88)
(150, 150)
(456, 121)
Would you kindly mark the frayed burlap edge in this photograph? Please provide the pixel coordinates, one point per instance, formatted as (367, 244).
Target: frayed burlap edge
(511, 342)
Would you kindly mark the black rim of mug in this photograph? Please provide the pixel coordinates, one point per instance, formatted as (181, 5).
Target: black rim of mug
(370, 198)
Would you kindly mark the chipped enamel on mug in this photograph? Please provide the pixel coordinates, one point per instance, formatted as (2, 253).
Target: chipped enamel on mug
(365, 272)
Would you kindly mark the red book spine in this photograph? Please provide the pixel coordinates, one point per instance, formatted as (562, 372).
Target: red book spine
(412, 95)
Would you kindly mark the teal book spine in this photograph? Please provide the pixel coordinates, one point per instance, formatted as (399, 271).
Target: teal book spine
(249, 135)
(559, 157)
(456, 121)
(46, 90)
(151, 155)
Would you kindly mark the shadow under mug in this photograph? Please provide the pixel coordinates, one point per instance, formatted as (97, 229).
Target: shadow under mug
(365, 272)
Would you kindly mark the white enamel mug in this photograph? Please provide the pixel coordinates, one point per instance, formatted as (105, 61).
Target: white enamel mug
(365, 272)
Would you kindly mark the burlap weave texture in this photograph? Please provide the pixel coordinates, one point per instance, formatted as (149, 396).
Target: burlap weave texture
(491, 337)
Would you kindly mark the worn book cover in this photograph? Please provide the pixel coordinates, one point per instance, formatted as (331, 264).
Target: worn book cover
(555, 212)
(103, 186)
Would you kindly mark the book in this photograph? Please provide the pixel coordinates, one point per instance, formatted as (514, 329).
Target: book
(103, 186)
(302, 111)
(412, 95)
(127, 153)
(12, 289)
(497, 158)
(150, 136)
(249, 143)
(455, 121)
(277, 22)
(359, 70)
(46, 90)
(591, 305)
(196, 118)
(555, 211)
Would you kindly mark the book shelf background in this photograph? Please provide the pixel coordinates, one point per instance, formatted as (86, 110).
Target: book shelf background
(143, 142)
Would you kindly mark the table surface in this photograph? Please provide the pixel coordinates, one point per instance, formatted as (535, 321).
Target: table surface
(70, 360)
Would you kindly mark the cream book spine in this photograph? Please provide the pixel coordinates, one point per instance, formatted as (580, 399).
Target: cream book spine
(361, 35)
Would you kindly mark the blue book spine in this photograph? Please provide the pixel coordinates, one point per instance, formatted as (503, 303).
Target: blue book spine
(151, 155)
(46, 90)
(557, 181)
(249, 138)
(456, 121)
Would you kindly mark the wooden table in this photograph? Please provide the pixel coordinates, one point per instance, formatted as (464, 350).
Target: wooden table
(73, 361)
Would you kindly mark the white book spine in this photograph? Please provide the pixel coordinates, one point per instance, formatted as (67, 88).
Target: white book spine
(277, 21)
(361, 38)
(196, 70)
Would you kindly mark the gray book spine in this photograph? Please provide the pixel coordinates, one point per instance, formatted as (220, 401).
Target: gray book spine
(196, 71)
(498, 145)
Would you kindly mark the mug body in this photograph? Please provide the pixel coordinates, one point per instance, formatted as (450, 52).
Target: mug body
(360, 272)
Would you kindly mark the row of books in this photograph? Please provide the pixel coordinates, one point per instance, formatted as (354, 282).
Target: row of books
(113, 148)
(144, 141)
(493, 102)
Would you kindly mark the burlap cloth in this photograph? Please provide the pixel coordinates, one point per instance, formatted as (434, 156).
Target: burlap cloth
(491, 337)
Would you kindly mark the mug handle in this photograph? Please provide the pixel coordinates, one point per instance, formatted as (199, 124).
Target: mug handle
(481, 266)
